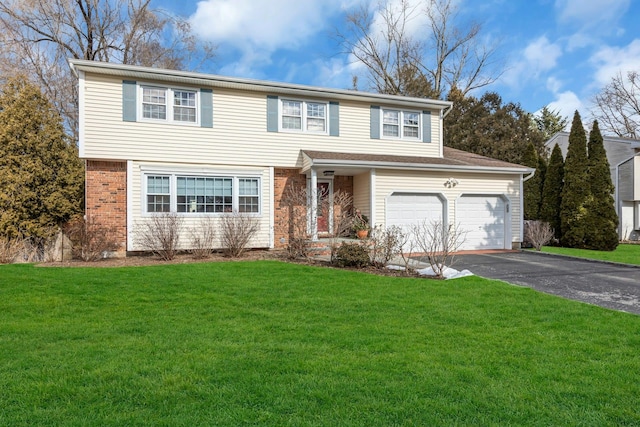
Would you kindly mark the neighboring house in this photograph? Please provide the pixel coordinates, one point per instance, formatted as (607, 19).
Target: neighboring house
(201, 145)
(624, 164)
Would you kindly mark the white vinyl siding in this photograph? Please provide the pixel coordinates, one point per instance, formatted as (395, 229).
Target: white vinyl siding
(362, 193)
(393, 181)
(238, 138)
(139, 217)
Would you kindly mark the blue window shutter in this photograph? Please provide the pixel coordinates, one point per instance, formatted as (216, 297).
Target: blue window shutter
(206, 108)
(375, 122)
(334, 119)
(129, 101)
(272, 113)
(426, 126)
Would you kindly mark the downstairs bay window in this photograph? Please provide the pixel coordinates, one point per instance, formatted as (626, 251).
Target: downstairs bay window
(187, 195)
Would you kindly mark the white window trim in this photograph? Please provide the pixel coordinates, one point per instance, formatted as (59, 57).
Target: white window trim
(304, 103)
(401, 124)
(173, 193)
(170, 89)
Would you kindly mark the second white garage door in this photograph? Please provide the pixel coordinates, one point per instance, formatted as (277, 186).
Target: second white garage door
(483, 219)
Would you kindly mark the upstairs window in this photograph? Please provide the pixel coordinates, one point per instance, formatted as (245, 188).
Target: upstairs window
(154, 103)
(400, 124)
(184, 106)
(170, 105)
(303, 116)
(292, 115)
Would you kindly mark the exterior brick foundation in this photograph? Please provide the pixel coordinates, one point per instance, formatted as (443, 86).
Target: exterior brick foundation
(285, 179)
(106, 197)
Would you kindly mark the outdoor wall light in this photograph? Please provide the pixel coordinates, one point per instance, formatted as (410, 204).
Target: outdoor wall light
(451, 182)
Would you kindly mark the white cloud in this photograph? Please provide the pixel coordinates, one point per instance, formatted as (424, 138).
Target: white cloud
(553, 84)
(539, 56)
(590, 13)
(268, 26)
(609, 61)
(566, 103)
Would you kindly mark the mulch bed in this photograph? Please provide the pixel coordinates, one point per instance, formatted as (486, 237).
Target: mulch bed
(185, 258)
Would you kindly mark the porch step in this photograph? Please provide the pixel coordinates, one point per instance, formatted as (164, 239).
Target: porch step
(322, 247)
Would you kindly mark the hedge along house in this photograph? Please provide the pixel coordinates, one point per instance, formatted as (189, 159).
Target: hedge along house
(202, 145)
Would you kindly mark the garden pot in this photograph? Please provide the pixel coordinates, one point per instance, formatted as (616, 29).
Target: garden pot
(362, 234)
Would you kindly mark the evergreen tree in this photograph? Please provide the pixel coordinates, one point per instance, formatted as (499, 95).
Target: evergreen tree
(602, 219)
(532, 185)
(41, 176)
(552, 191)
(541, 171)
(576, 191)
(490, 127)
(549, 122)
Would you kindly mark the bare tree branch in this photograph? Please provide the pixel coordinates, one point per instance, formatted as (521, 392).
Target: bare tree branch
(448, 54)
(38, 36)
(617, 106)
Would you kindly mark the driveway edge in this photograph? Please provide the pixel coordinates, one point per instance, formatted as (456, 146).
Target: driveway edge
(540, 253)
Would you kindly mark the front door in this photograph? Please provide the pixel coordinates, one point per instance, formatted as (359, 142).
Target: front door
(323, 207)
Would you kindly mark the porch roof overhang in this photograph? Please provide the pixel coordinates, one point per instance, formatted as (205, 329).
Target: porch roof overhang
(452, 160)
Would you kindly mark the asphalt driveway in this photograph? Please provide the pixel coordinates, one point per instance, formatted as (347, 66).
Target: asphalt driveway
(607, 285)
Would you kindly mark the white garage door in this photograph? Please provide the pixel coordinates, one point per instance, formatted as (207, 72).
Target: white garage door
(407, 209)
(483, 220)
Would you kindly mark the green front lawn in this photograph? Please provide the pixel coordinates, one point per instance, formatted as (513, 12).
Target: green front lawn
(625, 253)
(270, 343)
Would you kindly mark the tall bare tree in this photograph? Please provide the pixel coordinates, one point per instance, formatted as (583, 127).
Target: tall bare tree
(38, 36)
(617, 106)
(403, 56)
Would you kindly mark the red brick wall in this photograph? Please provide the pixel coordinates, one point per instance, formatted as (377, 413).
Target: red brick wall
(343, 183)
(288, 178)
(283, 226)
(106, 196)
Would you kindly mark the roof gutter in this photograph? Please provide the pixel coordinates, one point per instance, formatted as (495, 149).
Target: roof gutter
(416, 166)
(528, 177)
(188, 77)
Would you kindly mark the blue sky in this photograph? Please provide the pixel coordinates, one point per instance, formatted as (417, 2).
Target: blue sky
(555, 52)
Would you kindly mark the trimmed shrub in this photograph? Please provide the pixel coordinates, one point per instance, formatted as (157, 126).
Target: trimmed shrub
(352, 255)
(90, 239)
(237, 230)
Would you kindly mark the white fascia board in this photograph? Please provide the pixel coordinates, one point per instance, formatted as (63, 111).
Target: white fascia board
(81, 115)
(211, 80)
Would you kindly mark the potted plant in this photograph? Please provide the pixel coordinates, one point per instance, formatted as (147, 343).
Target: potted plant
(360, 225)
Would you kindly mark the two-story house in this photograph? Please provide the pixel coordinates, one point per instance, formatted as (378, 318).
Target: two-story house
(200, 145)
(623, 155)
